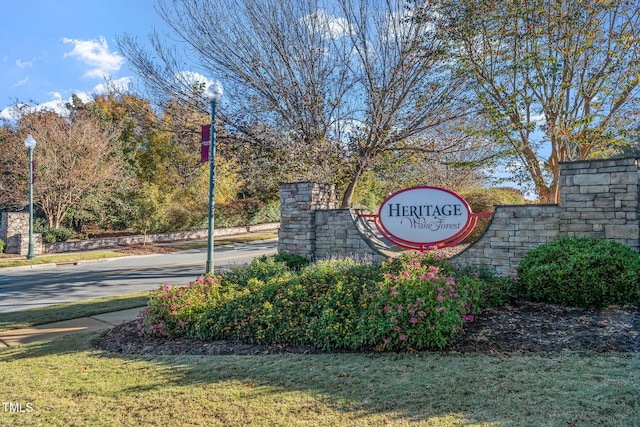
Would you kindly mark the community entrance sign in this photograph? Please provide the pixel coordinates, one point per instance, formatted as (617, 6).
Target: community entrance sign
(422, 217)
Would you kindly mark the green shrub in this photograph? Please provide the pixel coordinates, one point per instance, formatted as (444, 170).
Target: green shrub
(261, 268)
(423, 304)
(3, 245)
(414, 302)
(583, 272)
(246, 212)
(497, 290)
(293, 261)
(267, 212)
(175, 311)
(51, 234)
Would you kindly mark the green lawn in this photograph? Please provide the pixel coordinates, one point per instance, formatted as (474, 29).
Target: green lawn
(58, 258)
(72, 310)
(67, 383)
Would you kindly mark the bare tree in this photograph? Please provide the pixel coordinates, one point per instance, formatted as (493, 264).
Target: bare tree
(557, 78)
(404, 79)
(344, 81)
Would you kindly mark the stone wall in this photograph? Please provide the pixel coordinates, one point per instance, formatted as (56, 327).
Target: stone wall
(337, 234)
(83, 245)
(512, 232)
(598, 198)
(299, 202)
(14, 230)
(311, 226)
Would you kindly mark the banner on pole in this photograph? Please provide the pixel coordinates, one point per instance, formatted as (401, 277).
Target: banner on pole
(206, 140)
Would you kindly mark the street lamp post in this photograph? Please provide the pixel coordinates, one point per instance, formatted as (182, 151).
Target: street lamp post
(214, 93)
(30, 143)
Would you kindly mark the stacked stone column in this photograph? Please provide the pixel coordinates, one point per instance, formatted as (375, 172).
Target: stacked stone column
(600, 198)
(14, 230)
(298, 204)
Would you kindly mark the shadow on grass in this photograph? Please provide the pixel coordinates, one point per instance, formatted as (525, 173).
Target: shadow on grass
(427, 388)
(72, 343)
(74, 310)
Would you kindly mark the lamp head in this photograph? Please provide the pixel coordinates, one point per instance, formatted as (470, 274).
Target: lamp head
(214, 91)
(30, 142)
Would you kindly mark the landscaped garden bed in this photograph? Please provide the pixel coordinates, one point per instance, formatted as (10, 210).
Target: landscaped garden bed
(414, 303)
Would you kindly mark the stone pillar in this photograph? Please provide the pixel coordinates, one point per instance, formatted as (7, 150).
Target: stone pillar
(14, 230)
(298, 203)
(600, 198)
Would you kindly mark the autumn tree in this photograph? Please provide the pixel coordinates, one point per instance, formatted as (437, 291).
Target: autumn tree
(14, 172)
(558, 79)
(131, 116)
(344, 81)
(75, 160)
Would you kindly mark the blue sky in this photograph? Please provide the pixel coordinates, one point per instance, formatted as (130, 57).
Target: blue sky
(51, 49)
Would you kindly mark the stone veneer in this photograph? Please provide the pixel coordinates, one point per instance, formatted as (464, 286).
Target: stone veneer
(19, 239)
(311, 226)
(598, 198)
(109, 242)
(14, 230)
(299, 202)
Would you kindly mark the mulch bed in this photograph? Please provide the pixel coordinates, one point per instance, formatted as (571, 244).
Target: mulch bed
(520, 327)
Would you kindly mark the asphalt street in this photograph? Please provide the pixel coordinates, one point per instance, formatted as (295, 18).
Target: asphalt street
(30, 288)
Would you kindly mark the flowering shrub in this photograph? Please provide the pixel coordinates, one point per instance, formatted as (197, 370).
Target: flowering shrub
(296, 308)
(414, 302)
(424, 305)
(176, 310)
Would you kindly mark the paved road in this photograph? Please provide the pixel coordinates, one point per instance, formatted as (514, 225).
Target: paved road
(23, 289)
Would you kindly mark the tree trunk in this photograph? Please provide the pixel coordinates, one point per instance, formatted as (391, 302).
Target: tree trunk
(351, 188)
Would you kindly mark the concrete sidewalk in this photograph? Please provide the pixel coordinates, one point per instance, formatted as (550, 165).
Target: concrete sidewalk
(51, 331)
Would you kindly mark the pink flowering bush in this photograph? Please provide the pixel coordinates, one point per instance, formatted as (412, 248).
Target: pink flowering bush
(175, 311)
(423, 303)
(416, 302)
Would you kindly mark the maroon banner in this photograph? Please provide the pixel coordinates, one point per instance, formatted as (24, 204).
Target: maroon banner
(206, 140)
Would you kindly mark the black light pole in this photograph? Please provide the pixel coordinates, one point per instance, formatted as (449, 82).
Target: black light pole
(214, 93)
(30, 143)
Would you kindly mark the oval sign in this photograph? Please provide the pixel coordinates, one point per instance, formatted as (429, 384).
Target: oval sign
(421, 216)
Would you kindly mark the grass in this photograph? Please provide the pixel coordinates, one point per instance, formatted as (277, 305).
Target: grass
(58, 258)
(66, 382)
(78, 385)
(72, 310)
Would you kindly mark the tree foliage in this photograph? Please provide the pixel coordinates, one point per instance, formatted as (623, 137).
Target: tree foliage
(558, 79)
(341, 82)
(76, 160)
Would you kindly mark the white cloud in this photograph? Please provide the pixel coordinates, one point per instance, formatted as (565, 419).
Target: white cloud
(9, 113)
(191, 77)
(57, 104)
(23, 64)
(22, 82)
(329, 26)
(119, 85)
(96, 54)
